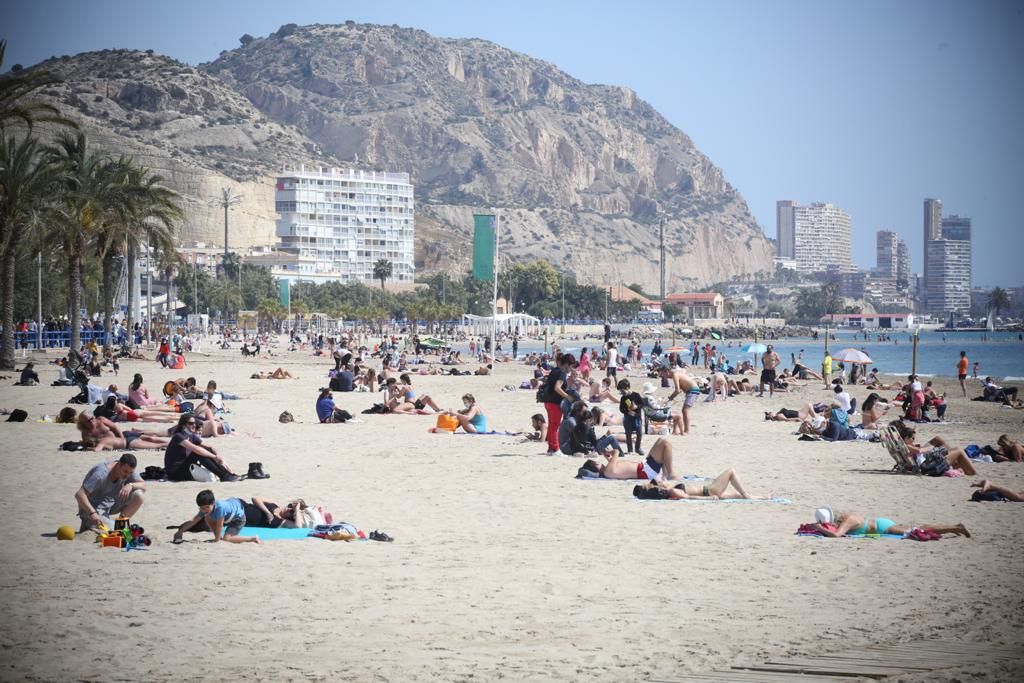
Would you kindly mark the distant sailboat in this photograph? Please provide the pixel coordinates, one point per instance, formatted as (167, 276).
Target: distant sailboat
(990, 324)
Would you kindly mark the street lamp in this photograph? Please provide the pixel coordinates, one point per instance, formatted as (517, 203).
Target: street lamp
(563, 303)
(227, 200)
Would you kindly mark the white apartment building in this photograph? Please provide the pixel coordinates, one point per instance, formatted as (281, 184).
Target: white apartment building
(949, 277)
(822, 238)
(336, 223)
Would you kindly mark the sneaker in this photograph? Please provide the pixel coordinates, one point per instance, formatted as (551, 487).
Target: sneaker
(640, 453)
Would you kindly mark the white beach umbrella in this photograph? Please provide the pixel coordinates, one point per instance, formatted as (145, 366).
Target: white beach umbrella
(852, 356)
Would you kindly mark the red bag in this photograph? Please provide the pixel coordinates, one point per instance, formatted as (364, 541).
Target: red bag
(919, 534)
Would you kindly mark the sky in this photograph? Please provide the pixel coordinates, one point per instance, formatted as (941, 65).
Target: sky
(871, 106)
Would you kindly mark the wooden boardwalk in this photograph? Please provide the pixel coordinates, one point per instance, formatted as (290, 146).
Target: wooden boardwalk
(877, 662)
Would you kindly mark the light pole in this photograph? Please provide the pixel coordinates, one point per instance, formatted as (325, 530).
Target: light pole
(149, 293)
(661, 239)
(563, 303)
(227, 200)
(39, 300)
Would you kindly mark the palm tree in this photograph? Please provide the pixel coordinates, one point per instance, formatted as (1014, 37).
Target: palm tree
(998, 299)
(382, 270)
(15, 87)
(88, 191)
(225, 297)
(26, 184)
(155, 211)
(143, 209)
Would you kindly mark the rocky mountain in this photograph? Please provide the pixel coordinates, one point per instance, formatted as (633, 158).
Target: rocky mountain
(199, 134)
(580, 174)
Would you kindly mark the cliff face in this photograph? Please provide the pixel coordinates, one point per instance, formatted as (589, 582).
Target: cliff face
(580, 174)
(188, 127)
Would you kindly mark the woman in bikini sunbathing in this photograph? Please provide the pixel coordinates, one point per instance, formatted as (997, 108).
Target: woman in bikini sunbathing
(872, 410)
(602, 392)
(116, 411)
(836, 524)
(717, 489)
(471, 418)
(280, 373)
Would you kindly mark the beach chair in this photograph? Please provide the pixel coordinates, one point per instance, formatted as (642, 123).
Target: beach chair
(896, 448)
(659, 416)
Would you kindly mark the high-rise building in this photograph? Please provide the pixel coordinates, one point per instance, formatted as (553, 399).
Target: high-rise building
(892, 258)
(956, 228)
(949, 277)
(337, 223)
(886, 253)
(822, 238)
(784, 229)
(932, 230)
(903, 275)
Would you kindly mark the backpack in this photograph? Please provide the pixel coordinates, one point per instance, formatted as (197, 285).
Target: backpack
(18, 415)
(935, 463)
(153, 473)
(987, 497)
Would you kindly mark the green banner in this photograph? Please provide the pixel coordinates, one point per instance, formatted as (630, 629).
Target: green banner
(483, 246)
(286, 292)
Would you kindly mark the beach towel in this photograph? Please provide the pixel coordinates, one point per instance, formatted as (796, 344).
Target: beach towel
(278, 534)
(493, 432)
(778, 500)
(890, 537)
(686, 477)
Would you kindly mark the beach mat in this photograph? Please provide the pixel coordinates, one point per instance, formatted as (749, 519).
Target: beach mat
(777, 500)
(490, 433)
(279, 534)
(889, 537)
(686, 477)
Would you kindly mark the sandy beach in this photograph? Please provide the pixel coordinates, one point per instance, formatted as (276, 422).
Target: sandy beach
(504, 566)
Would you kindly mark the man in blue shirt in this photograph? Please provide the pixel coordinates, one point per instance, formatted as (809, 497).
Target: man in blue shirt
(225, 518)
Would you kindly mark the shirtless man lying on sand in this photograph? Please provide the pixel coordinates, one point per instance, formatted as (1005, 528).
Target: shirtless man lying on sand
(657, 464)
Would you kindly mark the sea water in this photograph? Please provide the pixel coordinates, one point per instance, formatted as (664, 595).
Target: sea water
(999, 354)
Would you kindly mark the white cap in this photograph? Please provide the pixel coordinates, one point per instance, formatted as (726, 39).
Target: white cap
(824, 515)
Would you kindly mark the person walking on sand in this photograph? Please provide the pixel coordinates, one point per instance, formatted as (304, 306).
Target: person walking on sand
(961, 372)
(826, 370)
(681, 382)
(769, 361)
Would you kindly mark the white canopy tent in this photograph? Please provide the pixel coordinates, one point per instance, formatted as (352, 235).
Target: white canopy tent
(505, 322)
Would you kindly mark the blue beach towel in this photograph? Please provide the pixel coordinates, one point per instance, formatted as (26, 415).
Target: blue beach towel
(278, 534)
(889, 537)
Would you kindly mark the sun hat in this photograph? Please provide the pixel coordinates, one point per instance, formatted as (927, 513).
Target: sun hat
(647, 388)
(824, 515)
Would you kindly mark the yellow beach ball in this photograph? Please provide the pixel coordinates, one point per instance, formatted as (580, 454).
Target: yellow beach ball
(66, 533)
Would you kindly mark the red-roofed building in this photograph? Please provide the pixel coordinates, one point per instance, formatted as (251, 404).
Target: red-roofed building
(708, 305)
